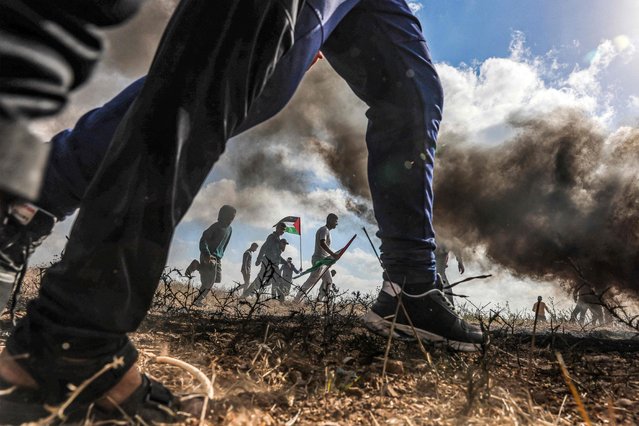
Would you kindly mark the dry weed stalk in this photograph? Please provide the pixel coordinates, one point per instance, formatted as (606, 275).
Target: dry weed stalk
(196, 372)
(58, 412)
(302, 341)
(292, 421)
(262, 346)
(209, 391)
(399, 305)
(390, 338)
(573, 389)
(563, 403)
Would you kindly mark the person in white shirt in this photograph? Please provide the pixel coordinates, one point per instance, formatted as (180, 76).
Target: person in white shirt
(322, 251)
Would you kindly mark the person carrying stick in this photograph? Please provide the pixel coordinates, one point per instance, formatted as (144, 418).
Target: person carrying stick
(322, 251)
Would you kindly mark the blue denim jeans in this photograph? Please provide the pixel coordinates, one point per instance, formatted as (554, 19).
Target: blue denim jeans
(168, 132)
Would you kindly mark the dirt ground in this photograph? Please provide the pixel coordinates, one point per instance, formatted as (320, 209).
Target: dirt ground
(276, 364)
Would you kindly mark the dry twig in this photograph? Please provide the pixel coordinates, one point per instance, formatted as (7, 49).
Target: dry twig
(573, 389)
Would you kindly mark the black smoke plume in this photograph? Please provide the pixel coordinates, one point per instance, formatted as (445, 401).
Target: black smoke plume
(322, 123)
(560, 197)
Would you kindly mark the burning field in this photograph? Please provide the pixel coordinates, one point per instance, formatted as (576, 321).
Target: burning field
(274, 364)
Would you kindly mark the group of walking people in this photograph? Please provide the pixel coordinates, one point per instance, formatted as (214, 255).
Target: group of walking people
(275, 271)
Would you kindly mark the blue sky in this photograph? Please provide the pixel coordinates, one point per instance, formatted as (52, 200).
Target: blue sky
(495, 57)
(461, 31)
(467, 31)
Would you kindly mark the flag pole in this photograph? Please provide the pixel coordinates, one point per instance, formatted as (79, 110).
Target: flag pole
(301, 258)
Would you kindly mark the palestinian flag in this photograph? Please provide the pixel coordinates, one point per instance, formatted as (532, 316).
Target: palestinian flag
(293, 225)
(329, 261)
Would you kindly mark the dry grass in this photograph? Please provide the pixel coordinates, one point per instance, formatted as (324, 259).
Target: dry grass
(275, 364)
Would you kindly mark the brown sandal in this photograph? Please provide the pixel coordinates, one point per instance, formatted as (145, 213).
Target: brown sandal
(150, 402)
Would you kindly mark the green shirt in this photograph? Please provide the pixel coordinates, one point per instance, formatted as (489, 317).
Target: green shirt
(215, 239)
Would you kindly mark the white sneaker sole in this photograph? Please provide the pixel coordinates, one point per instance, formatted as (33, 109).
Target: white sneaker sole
(382, 326)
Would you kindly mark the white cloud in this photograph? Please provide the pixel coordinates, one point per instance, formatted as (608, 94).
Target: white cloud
(633, 101)
(480, 100)
(415, 6)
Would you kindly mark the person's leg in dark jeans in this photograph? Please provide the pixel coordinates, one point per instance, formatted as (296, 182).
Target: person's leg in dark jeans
(399, 252)
(147, 182)
(160, 155)
(208, 278)
(76, 153)
(379, 49)
(75, 157)
(48, 48)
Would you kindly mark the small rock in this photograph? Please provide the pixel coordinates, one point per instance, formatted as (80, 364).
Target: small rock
(347, 360)
(354, 392)
(540, 397)
(395, 367)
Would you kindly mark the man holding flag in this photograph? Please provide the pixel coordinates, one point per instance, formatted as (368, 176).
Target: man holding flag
(322, 258)
(294, 226)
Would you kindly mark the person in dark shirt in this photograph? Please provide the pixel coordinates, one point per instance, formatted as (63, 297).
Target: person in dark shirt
(212, 246)
(283, 285)
(268, 259)
(247, 259)
(587, 299)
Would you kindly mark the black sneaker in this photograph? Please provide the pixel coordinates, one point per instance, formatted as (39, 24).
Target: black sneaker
(23, 229)
(433, 317)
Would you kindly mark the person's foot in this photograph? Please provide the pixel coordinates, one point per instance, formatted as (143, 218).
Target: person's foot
(193, 266)
(134, 395)
(298, 297)
(433, 318)
(23, 229)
